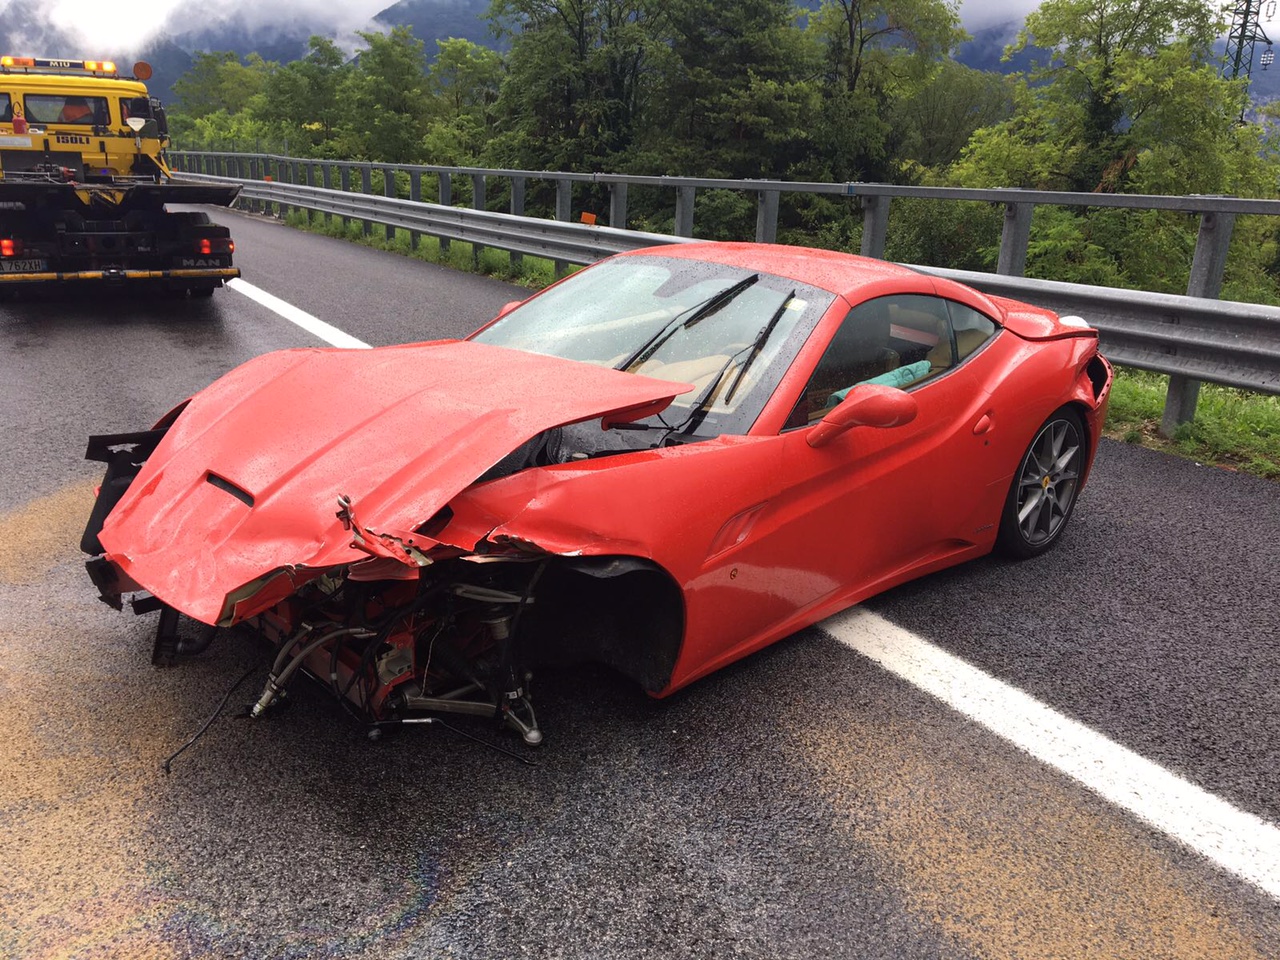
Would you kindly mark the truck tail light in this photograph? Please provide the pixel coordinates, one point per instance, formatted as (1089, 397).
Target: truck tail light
(208, 246)
(10, 248)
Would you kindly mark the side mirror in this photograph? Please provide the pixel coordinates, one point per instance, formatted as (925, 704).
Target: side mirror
(507, 308)
(870, 405)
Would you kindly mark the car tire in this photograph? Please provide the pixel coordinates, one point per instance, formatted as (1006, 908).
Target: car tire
(1045, 486)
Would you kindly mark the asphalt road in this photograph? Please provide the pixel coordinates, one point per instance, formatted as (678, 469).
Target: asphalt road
(803, 803)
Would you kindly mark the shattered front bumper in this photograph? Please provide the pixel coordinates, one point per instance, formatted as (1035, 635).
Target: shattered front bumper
(124, 454)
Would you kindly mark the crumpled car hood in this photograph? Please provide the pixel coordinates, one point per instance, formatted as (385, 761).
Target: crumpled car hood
(247, 480)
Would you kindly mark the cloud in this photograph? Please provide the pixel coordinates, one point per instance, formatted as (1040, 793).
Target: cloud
(100, 28)
(978, 14)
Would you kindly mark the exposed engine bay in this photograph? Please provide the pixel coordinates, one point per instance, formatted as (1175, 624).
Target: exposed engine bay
(412, 638)
(390, 649)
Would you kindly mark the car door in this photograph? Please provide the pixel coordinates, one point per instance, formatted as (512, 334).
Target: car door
(876, 502)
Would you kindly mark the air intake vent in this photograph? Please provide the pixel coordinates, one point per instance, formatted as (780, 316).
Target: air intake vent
(244, 496)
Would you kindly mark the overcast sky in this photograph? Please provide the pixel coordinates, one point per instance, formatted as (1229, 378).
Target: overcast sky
(124, 24)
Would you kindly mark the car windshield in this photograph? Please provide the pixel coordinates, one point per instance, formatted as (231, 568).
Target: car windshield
(730, 331)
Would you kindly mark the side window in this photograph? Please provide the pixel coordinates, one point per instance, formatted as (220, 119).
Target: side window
(6, 108)
(972, 329)
(898, 341)
(82, 111)
(135, 107)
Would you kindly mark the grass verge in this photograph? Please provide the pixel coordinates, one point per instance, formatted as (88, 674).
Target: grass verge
(1233, 428)
(532, 272)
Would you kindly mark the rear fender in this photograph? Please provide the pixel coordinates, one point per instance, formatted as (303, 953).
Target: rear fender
(1090, 396)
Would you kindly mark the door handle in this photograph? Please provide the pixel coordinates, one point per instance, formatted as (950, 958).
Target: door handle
(984, 425)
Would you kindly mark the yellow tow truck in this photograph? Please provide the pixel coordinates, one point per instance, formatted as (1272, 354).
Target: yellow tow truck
(84, 184)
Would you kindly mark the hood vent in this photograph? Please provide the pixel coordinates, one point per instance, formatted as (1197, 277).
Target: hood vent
(244, 496)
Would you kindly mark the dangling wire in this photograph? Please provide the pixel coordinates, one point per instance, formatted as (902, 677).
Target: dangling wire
(214, 716)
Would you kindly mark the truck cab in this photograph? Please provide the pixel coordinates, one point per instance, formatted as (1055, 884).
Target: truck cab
(76, 115)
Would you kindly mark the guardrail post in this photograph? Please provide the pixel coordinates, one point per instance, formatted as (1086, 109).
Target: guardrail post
(415, 195)
(685, 197)
(265, 170)
(389, 190)
(517, 209)
(446, 200)
(288, 174)
(875, 222)
(618, 205)
(564, 213)
(308, 179)
(1207, 268)
(767, 216)
(366, 187)
(478, 200)
(326, 181)
(344, 175)
(295, 178)
(279, 174)
(255, 173)
(1014, 239)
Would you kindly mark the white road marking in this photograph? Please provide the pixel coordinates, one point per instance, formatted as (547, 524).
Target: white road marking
(1237, 841)
(313, 325)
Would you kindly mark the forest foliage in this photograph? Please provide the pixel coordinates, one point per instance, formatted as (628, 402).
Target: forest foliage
(1125, 97)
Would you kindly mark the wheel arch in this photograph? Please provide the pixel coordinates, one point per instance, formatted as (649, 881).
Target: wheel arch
(625, 612)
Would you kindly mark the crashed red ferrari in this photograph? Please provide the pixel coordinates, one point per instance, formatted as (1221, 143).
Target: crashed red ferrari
(662, 463)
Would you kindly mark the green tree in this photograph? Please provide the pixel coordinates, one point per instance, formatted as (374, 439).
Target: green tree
(578, 78)
(302, 96)
(219, 81)
(1128, 101)
(940, 116)
(738, 95)
(385, 99)
(876, 53)
(1118, 71)
(464, 82)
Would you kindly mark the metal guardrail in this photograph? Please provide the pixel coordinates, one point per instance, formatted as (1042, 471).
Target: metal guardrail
(1220, 341)
(551, 239)
(1193, 338)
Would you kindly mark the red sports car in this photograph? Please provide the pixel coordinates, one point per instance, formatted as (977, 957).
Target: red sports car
(662, 463)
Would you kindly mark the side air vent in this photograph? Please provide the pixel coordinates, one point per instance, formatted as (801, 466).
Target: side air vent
(244, 496)
(1097, 371)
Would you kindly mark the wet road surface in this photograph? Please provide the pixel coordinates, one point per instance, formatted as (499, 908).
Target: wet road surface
(802, 803)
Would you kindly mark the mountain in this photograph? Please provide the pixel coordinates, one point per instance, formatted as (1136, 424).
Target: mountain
(985, 51)
(433, 20)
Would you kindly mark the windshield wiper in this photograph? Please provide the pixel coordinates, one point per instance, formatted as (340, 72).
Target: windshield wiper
(700, 312)
(706, 400)
(761, 339)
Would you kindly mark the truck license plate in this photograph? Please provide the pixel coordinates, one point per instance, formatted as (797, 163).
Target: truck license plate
(23, 266)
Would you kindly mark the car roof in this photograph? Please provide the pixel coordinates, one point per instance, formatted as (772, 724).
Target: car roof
(825, 269)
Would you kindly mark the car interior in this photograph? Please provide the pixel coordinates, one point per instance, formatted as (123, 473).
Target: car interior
(892, 341)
